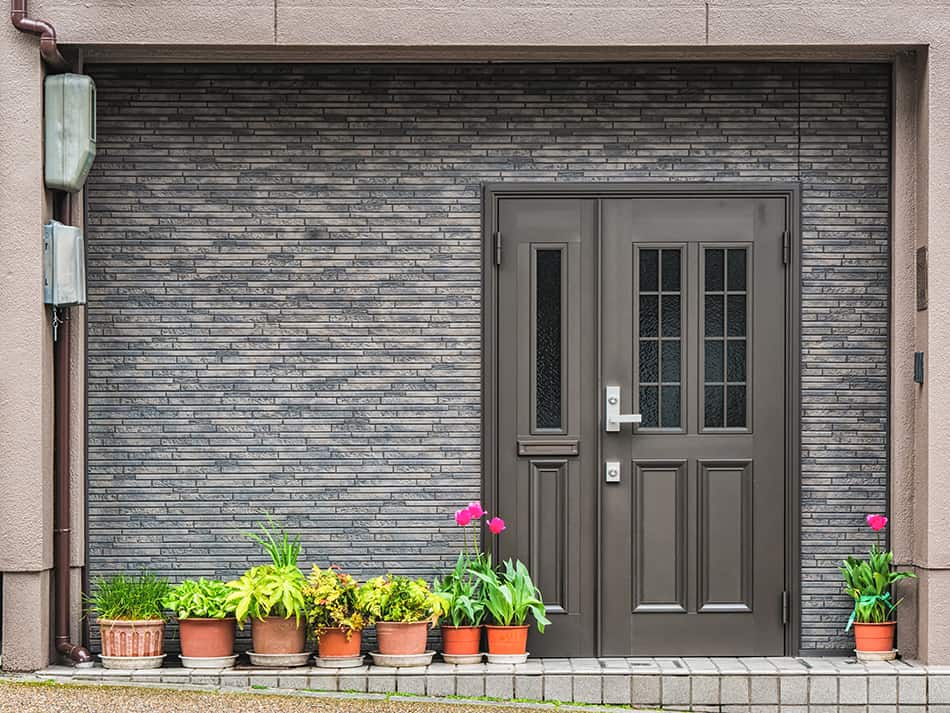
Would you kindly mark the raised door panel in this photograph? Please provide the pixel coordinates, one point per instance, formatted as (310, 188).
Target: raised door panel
(725, 532)
(659, 532)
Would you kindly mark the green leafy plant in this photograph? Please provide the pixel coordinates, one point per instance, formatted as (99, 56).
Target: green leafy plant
(332, 602)
(460, 593)
(268, 591)
(199, 599)
(510, 596)
(399, 599)
(274, 589)
(869, 581)
(129, 597)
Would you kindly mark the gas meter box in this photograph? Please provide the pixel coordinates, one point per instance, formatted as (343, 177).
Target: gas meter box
(64, 265)
(70, 118)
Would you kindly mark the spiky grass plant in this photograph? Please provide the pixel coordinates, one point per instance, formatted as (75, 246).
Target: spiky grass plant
(283, 551)
(129, 597)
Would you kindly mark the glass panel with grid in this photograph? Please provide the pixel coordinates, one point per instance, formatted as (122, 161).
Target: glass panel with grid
(660, 328)
(725, 337)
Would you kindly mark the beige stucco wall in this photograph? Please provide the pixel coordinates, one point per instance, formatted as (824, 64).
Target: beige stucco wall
(262, 30)
(26, 452)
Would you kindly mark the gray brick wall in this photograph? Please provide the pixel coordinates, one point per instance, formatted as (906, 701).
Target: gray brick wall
(284, 289)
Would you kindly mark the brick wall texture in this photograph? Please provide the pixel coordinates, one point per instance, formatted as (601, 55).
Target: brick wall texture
(284, 290)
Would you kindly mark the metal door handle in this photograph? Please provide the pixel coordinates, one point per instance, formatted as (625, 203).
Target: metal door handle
(613, 418)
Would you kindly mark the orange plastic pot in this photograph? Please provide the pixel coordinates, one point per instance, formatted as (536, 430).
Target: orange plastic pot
(206, 638)
(333, 644)
(461, 640)
(275, 635)
(132, 638)
(507, 639)
(874, 637)
(401, 638)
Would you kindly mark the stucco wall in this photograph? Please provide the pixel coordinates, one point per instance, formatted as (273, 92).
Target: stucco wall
(284, 289)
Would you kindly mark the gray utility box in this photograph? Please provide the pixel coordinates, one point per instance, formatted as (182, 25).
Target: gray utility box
(64, 265)
(70, 130)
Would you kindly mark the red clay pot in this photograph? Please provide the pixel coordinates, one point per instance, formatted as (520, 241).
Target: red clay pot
(132, 638)
(461, 640)
(206, 638)
(401, 638)
(333, 644)
(507, 639)
(874, 637)
(276, 635)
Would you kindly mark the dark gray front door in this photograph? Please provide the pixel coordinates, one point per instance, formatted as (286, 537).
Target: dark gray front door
(665, 537)
(693, 304)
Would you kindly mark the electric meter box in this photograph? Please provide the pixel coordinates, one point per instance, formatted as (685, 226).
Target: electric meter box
(70, 128)
(64, 265)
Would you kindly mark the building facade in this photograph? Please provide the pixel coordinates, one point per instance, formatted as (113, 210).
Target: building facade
(334, 280)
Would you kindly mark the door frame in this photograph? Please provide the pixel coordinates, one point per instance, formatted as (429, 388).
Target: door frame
(791, 193)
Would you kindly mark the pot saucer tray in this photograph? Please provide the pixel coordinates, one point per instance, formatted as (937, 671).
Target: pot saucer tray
(402, 660)
(338, 661)
(279, 660)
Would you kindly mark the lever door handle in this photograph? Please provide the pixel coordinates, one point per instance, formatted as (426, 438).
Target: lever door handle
(612, 416)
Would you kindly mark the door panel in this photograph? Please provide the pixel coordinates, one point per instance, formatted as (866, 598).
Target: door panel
(693, 334)
(547, 401)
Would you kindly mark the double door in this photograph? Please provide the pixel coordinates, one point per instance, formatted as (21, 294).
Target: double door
(640, 410)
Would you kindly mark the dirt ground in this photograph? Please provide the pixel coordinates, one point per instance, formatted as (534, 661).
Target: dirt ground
(17, 697)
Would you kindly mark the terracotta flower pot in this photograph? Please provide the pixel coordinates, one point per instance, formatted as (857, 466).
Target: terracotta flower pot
(333, 644)
(461, 640)
(206, 638)
(507, 640)
(276, 635)
(874, 637)
(400, 638)
(132, 638)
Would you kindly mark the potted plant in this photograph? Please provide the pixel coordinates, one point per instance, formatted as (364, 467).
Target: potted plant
(131, 619)
(460, 592)
(334, 615)
(402, 609)
(272, 595)
(869, 582)
(510, 596)
(464, 612)
(205, 622)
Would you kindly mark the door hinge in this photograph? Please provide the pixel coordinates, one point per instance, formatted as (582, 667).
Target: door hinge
(785, 607)
(786, 248)
(498, 247)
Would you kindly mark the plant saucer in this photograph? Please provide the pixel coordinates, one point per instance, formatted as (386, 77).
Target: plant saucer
(338, 661)
(402, 660)
(508, 658)
(279, 660)
(462, 659)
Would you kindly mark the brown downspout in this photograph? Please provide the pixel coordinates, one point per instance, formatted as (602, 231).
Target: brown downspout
(62, 348)
(48, 49)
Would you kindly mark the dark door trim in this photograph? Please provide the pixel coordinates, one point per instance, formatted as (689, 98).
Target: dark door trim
(791, 193)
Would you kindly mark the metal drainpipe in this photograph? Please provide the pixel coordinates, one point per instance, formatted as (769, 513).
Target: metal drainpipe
(61, 495)
(61, 350)
(48, 49)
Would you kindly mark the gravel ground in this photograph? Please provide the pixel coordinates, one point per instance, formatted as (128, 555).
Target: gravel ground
(57, 698)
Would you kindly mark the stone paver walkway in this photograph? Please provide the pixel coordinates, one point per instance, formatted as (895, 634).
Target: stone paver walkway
(715, 685)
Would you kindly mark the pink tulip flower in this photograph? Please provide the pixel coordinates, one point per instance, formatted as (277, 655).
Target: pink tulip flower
(475, 510)
(877, 522)
(496, 525)
(463, 517)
